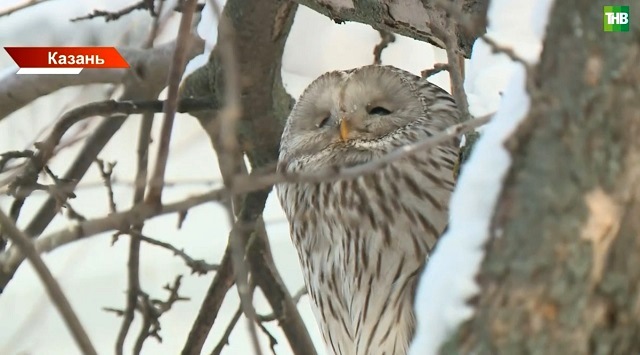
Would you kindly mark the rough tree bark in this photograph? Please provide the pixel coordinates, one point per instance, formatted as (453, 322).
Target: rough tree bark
(562, 270)
(412, 18)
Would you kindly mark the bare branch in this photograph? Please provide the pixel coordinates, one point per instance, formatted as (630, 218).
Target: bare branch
(154, 194)
(272, 340)
(8, 156)
(79, 166)
(56, 294)
(117, 221)
(158, 22)
(152, 310)
(437, 68)
(296, 298)
(72, 214)
(21, 6)
(133, 267)
(222, 282)
(508, 51)
(199, 266)
(412, 18)
(110, 107)
(142, 161)
(105, 172)
(455, 65)
(114, 15)
(227, 333)
(237, 241)
(265, 273)
(386, 38)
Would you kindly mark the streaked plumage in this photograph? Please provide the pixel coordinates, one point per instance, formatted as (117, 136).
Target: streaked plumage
(361, 242)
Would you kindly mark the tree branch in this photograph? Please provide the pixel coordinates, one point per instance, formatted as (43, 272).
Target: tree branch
(224, 340)
(154, 194)
(122, 108)
(21, 6)
(117, 221)
(133, 263)
(114, 15)
(222, 282)
(412, 18)
(199, 266)
(22, 242)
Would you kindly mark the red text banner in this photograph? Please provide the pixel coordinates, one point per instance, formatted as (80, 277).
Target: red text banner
(67, 57)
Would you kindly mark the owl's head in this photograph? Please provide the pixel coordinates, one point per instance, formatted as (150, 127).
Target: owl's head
(353, 113)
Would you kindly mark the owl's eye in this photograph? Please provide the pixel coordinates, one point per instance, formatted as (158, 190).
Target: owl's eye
(323, 122)
(378, 110)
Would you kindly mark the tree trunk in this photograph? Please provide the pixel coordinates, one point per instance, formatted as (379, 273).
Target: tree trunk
(561, 273)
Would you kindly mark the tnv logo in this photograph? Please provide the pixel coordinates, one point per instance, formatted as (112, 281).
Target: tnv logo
(616, 18)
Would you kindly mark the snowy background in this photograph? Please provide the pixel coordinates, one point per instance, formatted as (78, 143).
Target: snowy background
(92, 272)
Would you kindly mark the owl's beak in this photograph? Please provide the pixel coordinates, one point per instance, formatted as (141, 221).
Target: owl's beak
(344, 129)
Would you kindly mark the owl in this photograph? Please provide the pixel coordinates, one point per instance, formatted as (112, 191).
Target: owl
(363, 241)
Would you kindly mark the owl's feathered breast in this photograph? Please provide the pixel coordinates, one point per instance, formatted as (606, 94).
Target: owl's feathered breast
(361, 241)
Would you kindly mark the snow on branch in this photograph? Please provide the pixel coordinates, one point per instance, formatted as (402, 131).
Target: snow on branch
(448, 281)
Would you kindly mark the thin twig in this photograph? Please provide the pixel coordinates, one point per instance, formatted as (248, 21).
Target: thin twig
(222, 282)
(152, 310)
(72, 214)
(473, 25)
(158, 22)
(227, 333)
(437, 68)
(238, 245)
(21, 6)
(296, 298)
(106, 170)
(508, 51)
(46, 147)
(268, 279)
(386, 38)
(133, 266)
(56, 294)
(60, 190)
(154, 194)
(272, 340)
(117, 221)
(14, 154)
(448, 36)
(114, 15)
(199, 266)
